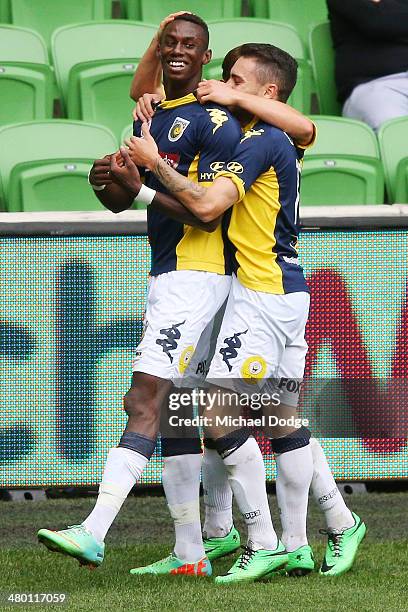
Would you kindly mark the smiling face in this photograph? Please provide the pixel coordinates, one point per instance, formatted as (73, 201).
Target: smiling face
(244, 76)
(183, 51)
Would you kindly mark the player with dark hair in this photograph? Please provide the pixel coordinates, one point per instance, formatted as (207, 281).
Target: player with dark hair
(268, 305)
(189, 284)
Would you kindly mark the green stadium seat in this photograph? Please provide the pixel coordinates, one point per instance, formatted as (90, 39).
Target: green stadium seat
(26, 79)
(44, 164)
(45, 16)
(154, 11)
(226, 34)
(96, 41)
(98, 92)
(344, 165)
(392, 137)
(323, 66)
(5, 12)
(301, 14)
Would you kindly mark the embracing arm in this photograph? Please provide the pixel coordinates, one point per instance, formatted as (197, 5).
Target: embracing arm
(279, 114)
(206, 203)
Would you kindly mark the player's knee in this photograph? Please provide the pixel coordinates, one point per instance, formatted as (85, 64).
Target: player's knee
(140, 403)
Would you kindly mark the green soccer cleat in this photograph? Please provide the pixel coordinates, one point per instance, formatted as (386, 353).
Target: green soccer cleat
(77, 542)
(301, 562)
(215, 548)
(174, 566)
(255, 564)
(342, 548)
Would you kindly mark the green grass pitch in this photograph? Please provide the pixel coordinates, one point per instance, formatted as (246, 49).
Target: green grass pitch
(143, 533)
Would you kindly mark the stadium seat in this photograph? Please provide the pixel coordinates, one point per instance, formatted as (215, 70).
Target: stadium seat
(300, 14)
(93, 42)
(344, 165)
(154, 11)
(5, 13)
(323, 66)
(26, 79)
(392, 137)
(127, 132)
(44, 164)
(45, 16)
(98, 92)
(226, 34)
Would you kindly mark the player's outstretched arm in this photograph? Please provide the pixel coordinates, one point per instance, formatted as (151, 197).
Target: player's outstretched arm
(206, 203)
(148, 75)
(279, 114)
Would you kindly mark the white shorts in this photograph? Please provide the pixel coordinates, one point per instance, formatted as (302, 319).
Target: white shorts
(180, 306)
(262, 338)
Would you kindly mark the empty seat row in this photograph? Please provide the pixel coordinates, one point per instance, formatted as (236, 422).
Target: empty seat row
(94, 63)
(44, 164)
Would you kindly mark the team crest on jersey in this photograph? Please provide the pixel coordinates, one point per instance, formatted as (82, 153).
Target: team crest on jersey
(251, 133)
(218, 117)
(253, 369)
(177, 129)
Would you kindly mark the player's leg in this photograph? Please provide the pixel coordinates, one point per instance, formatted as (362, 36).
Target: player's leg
(181, 444)
(237, 364)
(290, 444)
(345, 530)
(219, 533)
(123, 468)
(325, 491)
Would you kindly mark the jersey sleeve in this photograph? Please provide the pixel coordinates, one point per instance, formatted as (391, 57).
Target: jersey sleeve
(250, 159)
(220, 133)
(137, 131)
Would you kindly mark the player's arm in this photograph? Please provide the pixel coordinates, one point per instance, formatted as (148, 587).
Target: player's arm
(127, 178)
(279, 114)
(206, 203)
(111, 195)
(148, 75)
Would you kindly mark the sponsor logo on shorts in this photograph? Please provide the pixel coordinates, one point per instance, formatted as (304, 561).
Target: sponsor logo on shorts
(290, 384)
(253, 369)
(202, 368)
(185, 358)
(231, 350)
(169, 343)
(177, 129)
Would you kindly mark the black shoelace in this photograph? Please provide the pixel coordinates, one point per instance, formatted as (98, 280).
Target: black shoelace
(245, 557)
(334, 540)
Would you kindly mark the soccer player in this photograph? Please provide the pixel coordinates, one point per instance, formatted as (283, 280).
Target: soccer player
(263, 176)
(188, 286)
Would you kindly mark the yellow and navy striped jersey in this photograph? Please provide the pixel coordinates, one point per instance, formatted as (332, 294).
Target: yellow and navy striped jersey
(264, 224)
(196, 140)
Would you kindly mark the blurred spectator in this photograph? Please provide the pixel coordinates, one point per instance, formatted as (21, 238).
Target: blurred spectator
(370, 39)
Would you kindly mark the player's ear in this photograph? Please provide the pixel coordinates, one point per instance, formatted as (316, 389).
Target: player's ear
(271, 91)
(207, 57)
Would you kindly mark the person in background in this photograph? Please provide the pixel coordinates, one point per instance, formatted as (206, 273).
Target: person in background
(370, 39)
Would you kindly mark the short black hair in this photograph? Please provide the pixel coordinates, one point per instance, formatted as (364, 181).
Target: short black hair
(198, 21)
(274, 65)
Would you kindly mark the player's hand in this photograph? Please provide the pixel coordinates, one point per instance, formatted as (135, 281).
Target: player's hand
(215, 91)
(100, 172)
(125, 172)
(168, 20)
(143, 151)
(145, 107)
